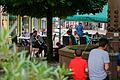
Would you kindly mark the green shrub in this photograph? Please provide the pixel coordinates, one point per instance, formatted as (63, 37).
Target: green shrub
(17, 66)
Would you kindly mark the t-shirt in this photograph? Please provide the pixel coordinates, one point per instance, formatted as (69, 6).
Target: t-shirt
(73, 40)
(87, 39)
(78, 66)
(96, 61)
(79, 30)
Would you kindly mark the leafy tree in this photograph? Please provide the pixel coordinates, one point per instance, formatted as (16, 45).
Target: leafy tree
(51, 8)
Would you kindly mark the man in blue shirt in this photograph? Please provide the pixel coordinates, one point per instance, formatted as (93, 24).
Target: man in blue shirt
(79, 30)
(98, 61)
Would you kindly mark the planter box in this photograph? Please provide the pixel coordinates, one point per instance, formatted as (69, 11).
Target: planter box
(66, 54)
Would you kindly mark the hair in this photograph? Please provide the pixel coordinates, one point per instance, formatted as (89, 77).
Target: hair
(31, 34)
(69, 32)
(58, 43)
(86, 33)
(103, 42)
(34, 31)
(96, 33)
(75, 31)
(80, 23)
(78, 52)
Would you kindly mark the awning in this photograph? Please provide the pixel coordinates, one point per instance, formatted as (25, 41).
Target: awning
(54, 19)
(98, 17)
(11, 17)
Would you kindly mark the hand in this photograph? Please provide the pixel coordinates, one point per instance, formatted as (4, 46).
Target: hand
(118, 68)
(36, 39)
(108, 72)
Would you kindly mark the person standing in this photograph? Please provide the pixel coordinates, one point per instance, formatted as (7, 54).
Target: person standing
(98, 61)
(78, 66)
(79, 29)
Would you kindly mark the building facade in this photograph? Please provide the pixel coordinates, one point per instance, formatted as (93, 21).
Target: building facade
(114, 16)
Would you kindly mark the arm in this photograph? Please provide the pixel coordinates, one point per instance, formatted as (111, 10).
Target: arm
(118, 68)
(86, 70)
(33, 39)
(106, 61)
(86, 66)
(106, 66)
(118, 62)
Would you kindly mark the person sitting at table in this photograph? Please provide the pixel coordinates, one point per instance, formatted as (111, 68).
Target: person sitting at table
(38, 42)
(95, 38)
(25, 42)
(86, 35)
(72, 40)
(56, 52)
(59, 45)
(77, 37)
(26, 33)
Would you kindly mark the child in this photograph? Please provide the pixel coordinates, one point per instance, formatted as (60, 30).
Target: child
(78, 66)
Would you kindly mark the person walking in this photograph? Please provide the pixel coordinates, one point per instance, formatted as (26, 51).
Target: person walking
(78, 66)
(98, 61)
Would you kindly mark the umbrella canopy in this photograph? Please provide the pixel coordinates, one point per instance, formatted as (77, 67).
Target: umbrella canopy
(98, 17)
(54, 19)
(11, 17)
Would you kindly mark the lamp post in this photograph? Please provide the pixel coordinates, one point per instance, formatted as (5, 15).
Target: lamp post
(60, 24)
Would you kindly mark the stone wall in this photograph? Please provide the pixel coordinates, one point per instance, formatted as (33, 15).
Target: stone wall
(65, 55)
(114, 16)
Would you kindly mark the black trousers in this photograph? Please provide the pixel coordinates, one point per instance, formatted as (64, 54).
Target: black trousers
(41, 48)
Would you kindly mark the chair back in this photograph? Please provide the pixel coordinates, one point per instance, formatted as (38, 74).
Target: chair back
(83, 40)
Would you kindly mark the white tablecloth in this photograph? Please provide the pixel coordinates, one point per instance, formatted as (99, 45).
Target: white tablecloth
(24, 37)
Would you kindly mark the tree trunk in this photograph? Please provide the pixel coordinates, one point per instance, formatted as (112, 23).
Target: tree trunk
(49, 36)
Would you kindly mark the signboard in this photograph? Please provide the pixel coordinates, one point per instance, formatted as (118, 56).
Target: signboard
(116, 34)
